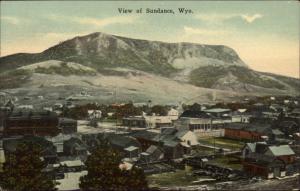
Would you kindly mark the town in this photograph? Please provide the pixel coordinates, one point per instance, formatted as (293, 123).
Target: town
(251, 143)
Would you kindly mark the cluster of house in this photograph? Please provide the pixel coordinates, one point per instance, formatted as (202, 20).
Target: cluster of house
(272, 133)
(33, 122)
(269, 161)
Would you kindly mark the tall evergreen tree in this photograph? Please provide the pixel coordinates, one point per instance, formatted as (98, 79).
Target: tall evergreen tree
(23, 170)
(104, 172)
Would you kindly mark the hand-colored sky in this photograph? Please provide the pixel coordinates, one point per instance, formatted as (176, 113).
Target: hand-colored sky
(265, 34)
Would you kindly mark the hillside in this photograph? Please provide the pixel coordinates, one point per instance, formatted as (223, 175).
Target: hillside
(102, 56)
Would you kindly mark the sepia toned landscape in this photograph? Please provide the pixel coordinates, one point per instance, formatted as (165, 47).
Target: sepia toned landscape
(107, 101)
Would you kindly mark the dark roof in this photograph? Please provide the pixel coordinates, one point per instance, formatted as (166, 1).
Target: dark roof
(254, 127)
(252, 146)
(154, 152)
(182, 132)
(217, 110)
(25, 114)
(296, 110)
(144, 134)
(287, 124)
(168, 140)
(122, 141)
(67, 120)
(72, 142)
(277, 132)
(195, 114)
(135, 118)
(11, 144)
(296, 149)
(264, 160)
(168, 131)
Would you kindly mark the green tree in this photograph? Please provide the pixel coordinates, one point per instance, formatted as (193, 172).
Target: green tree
(159, 110)
(23, 170)
(104, 172)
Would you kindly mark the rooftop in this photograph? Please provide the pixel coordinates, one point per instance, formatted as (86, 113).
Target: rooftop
(281, 150)
(217, 110)
(195, 114)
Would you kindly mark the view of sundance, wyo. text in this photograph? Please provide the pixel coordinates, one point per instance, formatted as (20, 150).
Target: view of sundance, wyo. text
(158, 10)
(149, 95)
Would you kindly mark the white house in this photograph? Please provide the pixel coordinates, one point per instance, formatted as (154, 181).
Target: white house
(154, 121)
(173, 114)
(187, 137)
(94, 114)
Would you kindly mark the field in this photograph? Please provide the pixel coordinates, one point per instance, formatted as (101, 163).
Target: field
(222, 142)
(178, 178)
(227, 161)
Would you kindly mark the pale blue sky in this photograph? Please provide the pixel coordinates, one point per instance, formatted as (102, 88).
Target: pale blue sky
(265, 34)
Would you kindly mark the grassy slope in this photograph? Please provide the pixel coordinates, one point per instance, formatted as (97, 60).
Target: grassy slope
(208, 75)
(14, 78)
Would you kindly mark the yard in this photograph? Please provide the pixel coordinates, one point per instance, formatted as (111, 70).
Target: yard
(203, 151)
(177, 178)
(222, 142)
(226, 161)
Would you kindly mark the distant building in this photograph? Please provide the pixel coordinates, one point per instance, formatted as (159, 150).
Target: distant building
(58, 142)
(288, 126)
(127, 145)
(134, 122)
(94, 114)
(269, 161)
(75, 165)
(240, 116)
(75, 147)
(152, 154)
(67, 126)
(25, 107)
(154, 121)
(218, 112)
(147, 121)
(173, 114)
(174, 143)
(265, 166)
(245, 131)
(201, 123)
(48, 149)
(42, 123)
(281, 152)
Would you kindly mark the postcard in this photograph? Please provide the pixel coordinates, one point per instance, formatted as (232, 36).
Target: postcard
(149, 95)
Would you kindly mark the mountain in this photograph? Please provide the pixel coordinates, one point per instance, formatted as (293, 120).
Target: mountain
(101, 56)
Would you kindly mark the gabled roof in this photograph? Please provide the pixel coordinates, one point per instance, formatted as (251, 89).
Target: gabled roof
(72, 163)
(168, 131)
(144, 134)
(168, 140)
(277, 132)
(152, 149)
(122, 141)
(131, 148)
(281, 150)
(181, 133)
(264, 160)
(287, 124)
(252, 146)
(67, 120)
(217, 110)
